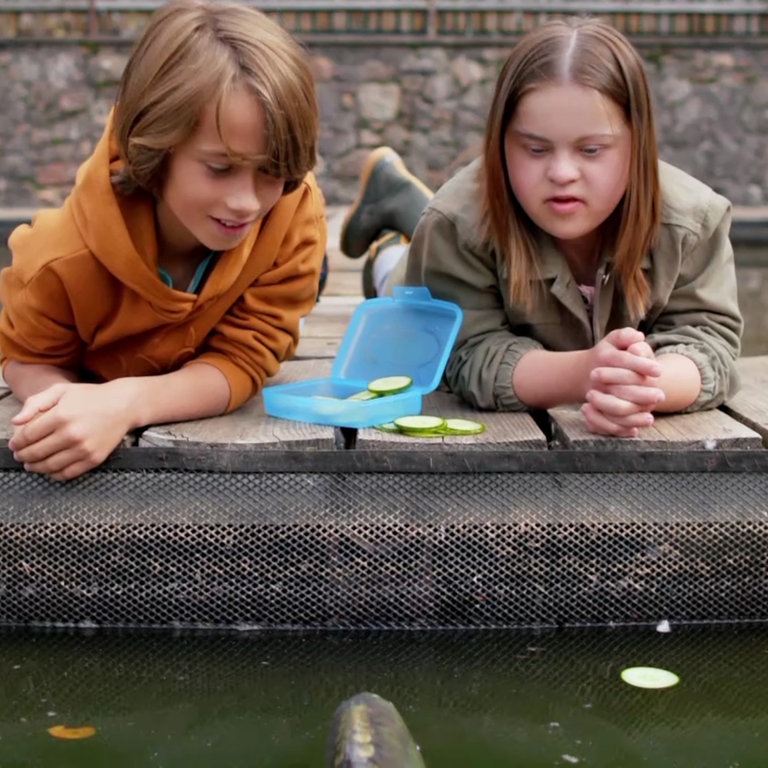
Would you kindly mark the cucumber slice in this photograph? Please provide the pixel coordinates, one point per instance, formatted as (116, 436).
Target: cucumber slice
(649, 677)
(389, 385)
(419, 424)
(463, 427)
(388, 426)
(365, 394)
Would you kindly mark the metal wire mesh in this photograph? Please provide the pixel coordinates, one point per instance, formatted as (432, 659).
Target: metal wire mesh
(382, 550)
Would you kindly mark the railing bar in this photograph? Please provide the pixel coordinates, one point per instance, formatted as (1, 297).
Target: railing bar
(641, 6)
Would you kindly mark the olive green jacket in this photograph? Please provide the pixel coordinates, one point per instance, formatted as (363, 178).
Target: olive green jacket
(693, 303)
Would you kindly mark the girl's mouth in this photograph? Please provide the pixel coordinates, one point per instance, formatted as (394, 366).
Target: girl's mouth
(564, 203)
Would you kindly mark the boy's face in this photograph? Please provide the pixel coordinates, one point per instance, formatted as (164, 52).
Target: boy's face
(567, 155)
(210, 201)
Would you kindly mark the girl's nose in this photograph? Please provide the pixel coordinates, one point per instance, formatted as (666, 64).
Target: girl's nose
(562, 168)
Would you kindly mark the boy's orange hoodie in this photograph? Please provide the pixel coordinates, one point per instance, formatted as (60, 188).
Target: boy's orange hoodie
(83, 291)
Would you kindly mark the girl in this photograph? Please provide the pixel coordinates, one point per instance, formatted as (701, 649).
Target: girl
(588, 271)
(171, 282)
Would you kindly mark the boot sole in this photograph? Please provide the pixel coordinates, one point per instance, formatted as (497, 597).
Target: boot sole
(371, 161)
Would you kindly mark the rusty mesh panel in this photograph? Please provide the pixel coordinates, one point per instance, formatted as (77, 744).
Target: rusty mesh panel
(169, 549)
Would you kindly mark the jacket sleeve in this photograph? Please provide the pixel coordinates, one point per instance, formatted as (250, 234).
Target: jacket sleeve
(701, 318)
(261, 329)
(486, 351)
(37, 324)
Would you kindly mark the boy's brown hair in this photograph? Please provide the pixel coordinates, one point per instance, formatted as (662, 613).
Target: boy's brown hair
(191, 55)
(598, 57)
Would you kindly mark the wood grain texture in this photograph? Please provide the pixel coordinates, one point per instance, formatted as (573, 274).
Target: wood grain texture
(516, 431)
(250, 426)
(706, 430)
(750, 404)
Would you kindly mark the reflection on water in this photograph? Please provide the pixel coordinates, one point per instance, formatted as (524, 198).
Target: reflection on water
(483, 699)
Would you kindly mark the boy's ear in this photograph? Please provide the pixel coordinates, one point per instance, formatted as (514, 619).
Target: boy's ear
(291, 186)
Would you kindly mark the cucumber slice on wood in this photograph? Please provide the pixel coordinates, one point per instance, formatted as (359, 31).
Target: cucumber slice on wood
(463, 427)
(388, 426)
(389, 385)
(419, 424)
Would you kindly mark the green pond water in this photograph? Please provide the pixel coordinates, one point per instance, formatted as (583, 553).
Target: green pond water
(479, 700)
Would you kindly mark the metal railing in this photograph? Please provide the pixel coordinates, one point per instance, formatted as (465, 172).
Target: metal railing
(442, 20)
(634, 6)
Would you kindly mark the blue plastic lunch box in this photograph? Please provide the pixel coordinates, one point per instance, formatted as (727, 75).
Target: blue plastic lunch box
(409, 333)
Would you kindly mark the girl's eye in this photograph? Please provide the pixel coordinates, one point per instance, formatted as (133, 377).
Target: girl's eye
(536, 150)
(591, 151)
(218, 170)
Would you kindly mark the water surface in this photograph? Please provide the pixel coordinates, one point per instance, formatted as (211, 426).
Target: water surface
(482, 699)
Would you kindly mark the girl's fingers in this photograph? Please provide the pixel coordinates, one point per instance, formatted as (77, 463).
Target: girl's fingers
(626, 397)
(627, 426)
(596, 422)
(620, 411)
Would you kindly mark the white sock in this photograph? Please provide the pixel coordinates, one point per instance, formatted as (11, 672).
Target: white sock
(384, 263)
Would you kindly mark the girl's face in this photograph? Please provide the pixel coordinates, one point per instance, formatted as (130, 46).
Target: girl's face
(210, 201)
(567, 156)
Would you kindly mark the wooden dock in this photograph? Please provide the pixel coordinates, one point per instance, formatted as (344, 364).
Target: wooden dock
(252, 522)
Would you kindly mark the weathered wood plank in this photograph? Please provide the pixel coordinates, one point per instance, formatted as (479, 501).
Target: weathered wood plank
(750, 405)
(707, 430)
(343, 283)
(250, 426)
(311, 348)
(329, 319)
(9, 407)
(516, 431)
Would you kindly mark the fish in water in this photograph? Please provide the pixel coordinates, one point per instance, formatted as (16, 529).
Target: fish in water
(368, 732)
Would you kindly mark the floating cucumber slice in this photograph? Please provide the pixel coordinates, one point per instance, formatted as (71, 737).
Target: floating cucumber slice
(419, 424)
(463, 427)
(365, 394)
(389, 385)
(649, 677)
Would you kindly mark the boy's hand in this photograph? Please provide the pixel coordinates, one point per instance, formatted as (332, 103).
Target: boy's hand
(623, 385)
(69, 428)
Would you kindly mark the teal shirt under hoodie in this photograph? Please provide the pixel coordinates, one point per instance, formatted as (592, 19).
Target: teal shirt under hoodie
(693, 306)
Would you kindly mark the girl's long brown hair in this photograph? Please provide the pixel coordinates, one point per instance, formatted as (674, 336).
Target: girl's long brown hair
(598, 57)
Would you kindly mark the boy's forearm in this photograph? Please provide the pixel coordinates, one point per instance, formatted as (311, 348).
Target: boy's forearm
(26, 379)
(193, 392)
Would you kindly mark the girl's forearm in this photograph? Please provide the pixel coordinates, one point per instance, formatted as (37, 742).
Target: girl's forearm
(680, 380)
(544, 379)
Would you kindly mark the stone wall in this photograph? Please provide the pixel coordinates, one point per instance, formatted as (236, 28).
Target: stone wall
(419, 81)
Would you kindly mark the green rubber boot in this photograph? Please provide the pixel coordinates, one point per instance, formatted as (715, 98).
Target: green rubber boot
(386, 240)
(390, 197)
